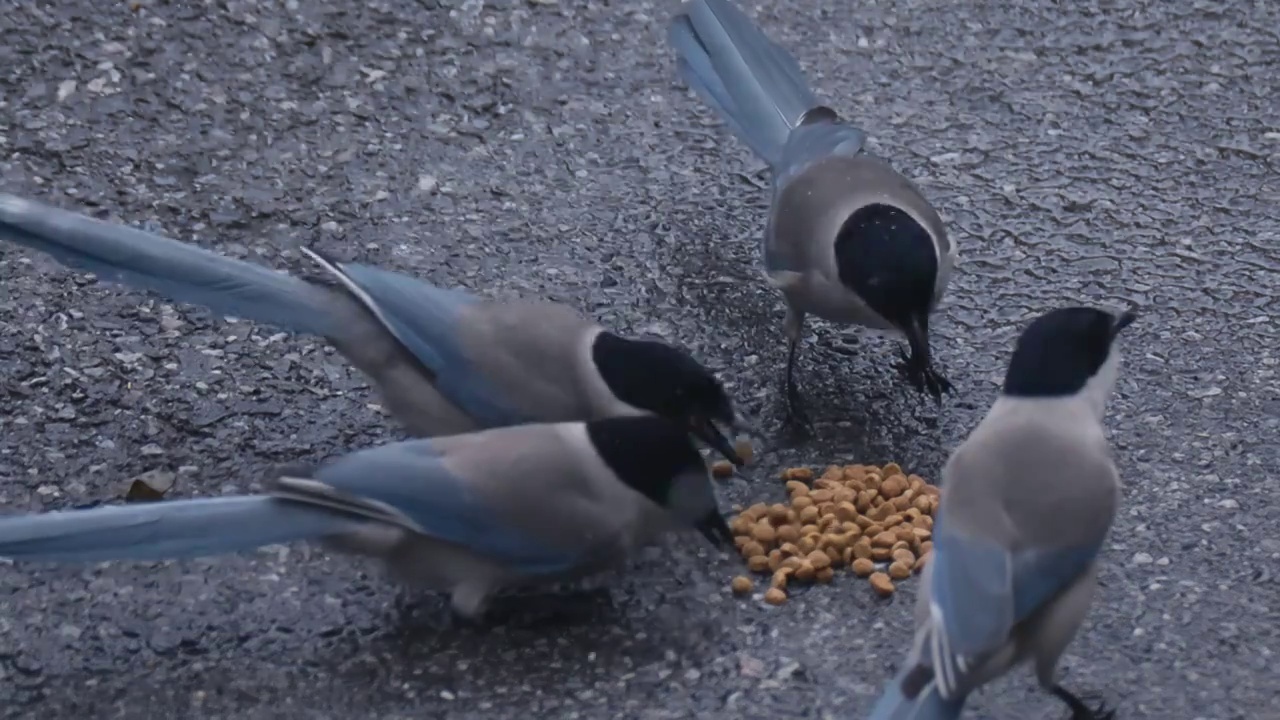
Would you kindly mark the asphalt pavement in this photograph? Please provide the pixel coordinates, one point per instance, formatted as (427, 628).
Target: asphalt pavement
(1121, 153)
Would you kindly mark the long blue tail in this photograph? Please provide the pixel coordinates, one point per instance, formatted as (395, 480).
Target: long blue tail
(181, 272)
(753, 83)
(927, 704)
(165, 530)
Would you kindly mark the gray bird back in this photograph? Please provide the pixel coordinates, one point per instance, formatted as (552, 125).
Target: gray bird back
(1048, 463)
(808, 211)
(406, 384)
(547, 482)
(537, 356)
(499, 363)
(533, 357)
(534, 498)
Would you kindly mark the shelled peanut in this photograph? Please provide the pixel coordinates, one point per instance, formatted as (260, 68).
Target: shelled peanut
(855, 517)
(721, 469)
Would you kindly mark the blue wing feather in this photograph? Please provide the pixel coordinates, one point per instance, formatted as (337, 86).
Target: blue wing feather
(981, 591)
(809, 144)
(411, 477)
(971, 585)
(430, 322)
(1039, 575)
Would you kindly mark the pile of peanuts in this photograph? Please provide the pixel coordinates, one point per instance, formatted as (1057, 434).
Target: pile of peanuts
(855, 517)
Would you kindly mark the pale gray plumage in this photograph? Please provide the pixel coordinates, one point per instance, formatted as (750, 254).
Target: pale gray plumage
(1027, 502)
(445, 361)
(848, 238)
(468, 514)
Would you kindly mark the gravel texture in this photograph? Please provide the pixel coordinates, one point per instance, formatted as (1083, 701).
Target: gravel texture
(1116, 152)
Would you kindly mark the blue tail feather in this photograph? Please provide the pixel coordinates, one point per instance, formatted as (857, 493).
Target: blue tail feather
(164, 530)
(179, 271)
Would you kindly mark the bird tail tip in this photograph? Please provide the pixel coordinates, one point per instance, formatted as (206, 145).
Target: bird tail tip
(927, 704)
(756, 85)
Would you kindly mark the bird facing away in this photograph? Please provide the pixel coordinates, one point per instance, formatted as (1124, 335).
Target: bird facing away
(445, 361)
(1027, 502)
(848, 238)
(465, 514)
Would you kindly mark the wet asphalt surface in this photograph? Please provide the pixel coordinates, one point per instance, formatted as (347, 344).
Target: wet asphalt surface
(1119, 153)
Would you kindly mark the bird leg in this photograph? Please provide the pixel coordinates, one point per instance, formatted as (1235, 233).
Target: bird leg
(797, 417)
(1079, 710)
(416, 613)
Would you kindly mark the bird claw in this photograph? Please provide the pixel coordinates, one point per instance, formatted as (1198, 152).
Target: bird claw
(1101, 712)
(559, 606)
(800, 427)
(938, 385)
(1080, 710)
(801, 430)
(844, 350)
(923, 379)
(797, 417)
(905, 369)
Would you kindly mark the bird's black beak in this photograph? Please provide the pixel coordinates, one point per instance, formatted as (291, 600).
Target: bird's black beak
(716, 530)
(1123, 320)
(918, 366)
(706, 431)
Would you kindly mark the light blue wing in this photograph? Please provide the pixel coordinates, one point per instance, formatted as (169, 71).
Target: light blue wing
(980, 591)
(810, 143)
(430, 322)
(411, 479)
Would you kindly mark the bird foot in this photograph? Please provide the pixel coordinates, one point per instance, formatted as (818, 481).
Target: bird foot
(799, 427)
(797, 420)
(567, 607)
(419, 613)
(1100, 712)
(1079, 709)
(842, 349)
(923, 379)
